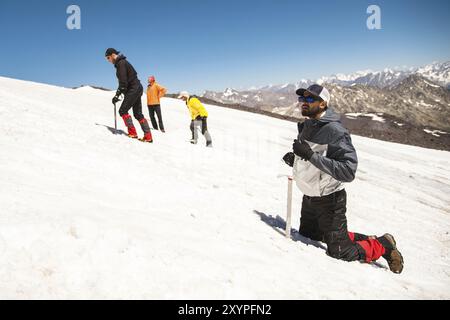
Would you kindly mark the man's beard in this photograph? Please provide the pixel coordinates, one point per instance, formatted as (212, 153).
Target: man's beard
(310, 112)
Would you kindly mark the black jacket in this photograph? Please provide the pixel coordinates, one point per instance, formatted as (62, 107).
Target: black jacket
(127, 76)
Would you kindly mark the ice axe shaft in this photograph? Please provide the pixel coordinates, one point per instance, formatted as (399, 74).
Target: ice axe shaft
(115, 119)
(289, 208)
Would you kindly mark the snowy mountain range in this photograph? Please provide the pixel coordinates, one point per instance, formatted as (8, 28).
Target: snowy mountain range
(86, 214)
(436, 72)
(380, 79)
(384, 91)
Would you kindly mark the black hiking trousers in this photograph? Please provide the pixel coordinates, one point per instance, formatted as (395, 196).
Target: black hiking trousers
(323, 219)
(133, 100)
(152, 109)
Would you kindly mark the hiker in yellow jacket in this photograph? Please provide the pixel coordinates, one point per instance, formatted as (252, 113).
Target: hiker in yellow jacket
(154, 93)
(199, 117)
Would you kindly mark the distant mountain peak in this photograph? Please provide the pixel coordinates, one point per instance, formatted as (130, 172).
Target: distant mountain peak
(83, 86)
(411, 93)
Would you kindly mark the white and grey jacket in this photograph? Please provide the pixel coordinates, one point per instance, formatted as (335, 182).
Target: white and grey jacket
(334, 160)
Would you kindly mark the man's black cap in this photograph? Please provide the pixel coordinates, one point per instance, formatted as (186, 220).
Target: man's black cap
(317, 91)
(111, 51)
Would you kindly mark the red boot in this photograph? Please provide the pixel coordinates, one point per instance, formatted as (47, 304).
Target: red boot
(147, 137)
(129, 124)
(132, 133)
(147, 133)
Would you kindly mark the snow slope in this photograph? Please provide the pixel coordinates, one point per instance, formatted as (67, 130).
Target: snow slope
(88, 214)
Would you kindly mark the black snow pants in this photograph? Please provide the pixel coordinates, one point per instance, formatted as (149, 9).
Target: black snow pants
(323, 219)
(152, 109)
(133, 100)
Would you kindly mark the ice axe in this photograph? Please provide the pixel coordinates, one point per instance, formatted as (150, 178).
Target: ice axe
(289, 208)
(115, 119)
(289, 205)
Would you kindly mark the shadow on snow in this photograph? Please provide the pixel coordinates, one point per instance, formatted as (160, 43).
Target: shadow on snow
(279, 225)
(112, 130)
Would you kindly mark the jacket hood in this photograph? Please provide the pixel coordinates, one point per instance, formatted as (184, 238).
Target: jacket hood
(330, 116)
(120, 57)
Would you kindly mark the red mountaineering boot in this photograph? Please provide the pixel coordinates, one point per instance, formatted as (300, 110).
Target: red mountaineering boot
(129, 124)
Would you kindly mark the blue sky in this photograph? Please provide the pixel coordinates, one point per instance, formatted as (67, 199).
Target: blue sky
(209, 44)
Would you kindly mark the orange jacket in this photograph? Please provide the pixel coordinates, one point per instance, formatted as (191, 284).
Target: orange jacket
(154, 93)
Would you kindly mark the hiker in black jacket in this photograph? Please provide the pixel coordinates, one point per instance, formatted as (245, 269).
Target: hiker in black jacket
(324, 158)
(131, 88)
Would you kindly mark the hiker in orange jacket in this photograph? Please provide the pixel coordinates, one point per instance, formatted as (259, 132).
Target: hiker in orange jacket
(154, 93)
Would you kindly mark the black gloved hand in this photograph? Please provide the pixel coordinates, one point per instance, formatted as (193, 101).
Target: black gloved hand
(302, 149)
(119, 92)
(117, 96)
(289, 159)
(115, 99)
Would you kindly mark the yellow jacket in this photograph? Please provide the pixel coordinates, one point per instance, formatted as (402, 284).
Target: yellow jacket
(154, 93)
(196, 108)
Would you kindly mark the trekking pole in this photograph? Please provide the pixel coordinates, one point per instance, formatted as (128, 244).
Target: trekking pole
(289, 209)
(115, 119)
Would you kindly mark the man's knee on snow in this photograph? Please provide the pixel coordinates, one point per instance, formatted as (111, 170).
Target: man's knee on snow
(339, 246)
(311, 231)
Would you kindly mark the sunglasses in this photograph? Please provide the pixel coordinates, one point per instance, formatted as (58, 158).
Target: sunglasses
(307, 99)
